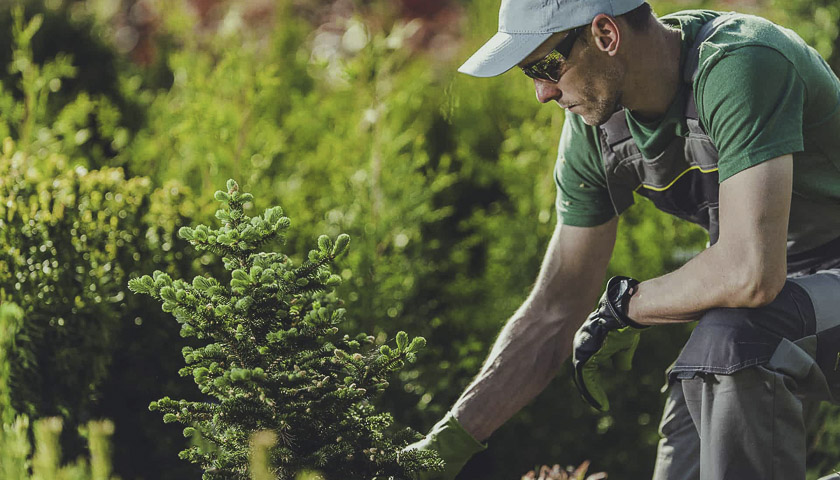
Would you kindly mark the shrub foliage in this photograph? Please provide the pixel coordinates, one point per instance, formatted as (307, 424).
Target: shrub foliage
(272, 357)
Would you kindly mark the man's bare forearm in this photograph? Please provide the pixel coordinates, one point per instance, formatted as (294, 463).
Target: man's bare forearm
(538, 338)
(525, 358)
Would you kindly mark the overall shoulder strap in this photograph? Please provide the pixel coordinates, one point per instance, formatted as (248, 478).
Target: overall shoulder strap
(692, 63)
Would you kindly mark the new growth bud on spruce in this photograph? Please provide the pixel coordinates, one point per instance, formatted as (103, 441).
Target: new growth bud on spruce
(271, 357)
(341, 244)
(222, 196)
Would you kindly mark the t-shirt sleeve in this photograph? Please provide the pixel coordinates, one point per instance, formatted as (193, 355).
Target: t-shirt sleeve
(752, 105)
(582, 196)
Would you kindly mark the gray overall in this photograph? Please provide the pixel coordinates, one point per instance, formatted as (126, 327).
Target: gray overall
(748, 378)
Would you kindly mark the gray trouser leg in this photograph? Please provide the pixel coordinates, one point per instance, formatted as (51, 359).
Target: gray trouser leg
(678, 455)
(751, 410)
(751, 425)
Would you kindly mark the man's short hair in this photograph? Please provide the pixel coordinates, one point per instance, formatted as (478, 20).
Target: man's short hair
(640, 17)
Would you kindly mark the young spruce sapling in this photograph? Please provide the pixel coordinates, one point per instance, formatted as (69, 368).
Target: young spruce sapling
(272, 358)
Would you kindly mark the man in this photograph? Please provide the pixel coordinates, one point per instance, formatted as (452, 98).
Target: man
(728, 121)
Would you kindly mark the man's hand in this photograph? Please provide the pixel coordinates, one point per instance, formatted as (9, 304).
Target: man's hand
(454, 445)
(607, 336)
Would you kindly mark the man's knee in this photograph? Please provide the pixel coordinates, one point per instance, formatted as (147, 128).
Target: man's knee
(789, 315)
(729, 339)
(725, 341)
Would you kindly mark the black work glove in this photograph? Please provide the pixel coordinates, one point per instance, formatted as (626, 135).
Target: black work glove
(607, 337)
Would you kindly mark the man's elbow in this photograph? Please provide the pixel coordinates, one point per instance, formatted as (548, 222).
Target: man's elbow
(762, 287)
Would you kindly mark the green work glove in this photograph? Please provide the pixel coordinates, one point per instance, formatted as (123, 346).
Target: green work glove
(454, 445)
(607, 338)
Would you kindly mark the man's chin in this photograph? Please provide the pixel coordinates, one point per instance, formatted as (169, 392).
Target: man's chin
(590, 121)
(596, 119)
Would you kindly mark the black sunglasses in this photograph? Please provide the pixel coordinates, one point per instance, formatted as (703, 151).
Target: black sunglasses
(548, 67)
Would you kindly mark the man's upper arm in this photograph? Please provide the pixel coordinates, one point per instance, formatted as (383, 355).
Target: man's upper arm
(754, 213)
(752, 102)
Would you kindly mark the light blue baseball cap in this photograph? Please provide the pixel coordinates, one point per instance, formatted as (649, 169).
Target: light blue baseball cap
(525, 24)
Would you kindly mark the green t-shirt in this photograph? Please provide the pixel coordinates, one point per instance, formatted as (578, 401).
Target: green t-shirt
(761, 92)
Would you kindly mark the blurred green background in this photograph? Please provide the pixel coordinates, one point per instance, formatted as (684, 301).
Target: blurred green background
(120, 118)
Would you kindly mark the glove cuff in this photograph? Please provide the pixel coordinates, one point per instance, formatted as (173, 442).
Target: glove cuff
(455, 445)
(451, 435)
(619, 291)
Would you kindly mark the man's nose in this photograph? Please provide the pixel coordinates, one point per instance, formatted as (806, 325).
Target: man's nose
(547, 90)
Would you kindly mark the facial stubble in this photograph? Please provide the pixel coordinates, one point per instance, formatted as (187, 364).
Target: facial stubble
(602, 96)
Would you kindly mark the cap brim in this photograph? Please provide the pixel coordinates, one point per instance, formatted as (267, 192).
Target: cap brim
(501, 53)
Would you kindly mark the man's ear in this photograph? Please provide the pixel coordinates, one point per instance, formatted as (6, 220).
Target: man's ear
(606, 35)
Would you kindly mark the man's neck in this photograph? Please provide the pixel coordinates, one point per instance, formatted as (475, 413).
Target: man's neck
(655, 74)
